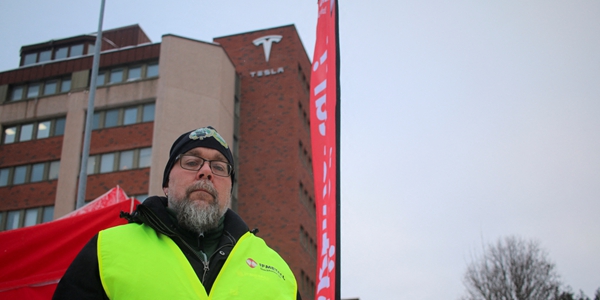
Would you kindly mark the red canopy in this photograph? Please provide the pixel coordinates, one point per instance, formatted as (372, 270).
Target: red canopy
(33, 259)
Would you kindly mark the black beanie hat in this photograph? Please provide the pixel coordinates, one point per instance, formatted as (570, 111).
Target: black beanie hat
(206, 137)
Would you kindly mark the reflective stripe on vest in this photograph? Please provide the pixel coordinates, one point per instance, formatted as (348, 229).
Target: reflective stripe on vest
(137, 263)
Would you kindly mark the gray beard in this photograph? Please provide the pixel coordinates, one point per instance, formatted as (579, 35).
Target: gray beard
(196, 216)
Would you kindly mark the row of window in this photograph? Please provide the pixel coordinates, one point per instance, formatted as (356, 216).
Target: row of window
(303, 79)
(37, 89)
(63, 85)
(56, 53)
(130, 73)
(308, 201)
(25, 217)
(124, 116)
(34, 130)
(305, 157)
(29, 173)
(102, 119)
(307, 242)
(305, 118)
(119, 161)
(307, 285)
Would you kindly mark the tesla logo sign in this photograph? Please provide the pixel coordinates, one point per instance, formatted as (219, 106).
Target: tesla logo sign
(267, 41)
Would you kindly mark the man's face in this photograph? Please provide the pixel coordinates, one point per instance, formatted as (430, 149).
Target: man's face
(200, 198)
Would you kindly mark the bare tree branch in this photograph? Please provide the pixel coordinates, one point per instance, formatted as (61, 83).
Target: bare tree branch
(512, 269)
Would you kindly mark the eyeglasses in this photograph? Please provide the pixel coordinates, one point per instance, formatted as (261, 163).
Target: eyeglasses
(195, 163)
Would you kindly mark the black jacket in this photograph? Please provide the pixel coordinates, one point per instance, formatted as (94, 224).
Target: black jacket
(82, 278)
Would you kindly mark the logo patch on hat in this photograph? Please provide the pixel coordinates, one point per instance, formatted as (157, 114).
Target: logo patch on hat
(206, 132)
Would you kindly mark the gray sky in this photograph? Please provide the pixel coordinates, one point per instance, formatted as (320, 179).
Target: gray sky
(481, 119)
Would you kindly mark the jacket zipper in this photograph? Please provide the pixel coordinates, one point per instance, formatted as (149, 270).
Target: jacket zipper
(170, 233)
(205, 261)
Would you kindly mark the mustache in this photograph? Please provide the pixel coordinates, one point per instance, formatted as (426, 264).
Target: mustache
(202, 185)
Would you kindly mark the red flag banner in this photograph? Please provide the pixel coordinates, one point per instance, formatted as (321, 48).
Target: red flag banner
(324, 107)
(33, 259)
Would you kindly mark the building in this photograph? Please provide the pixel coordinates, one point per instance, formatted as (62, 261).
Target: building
(253, 87)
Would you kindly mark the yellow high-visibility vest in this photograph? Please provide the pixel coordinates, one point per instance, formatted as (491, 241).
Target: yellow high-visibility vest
(136, 262)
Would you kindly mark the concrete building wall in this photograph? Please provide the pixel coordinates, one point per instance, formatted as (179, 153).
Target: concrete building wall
(71, 153)
(118, 95)
(196, 88)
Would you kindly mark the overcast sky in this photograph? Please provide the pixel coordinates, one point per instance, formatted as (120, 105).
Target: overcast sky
(462, 122)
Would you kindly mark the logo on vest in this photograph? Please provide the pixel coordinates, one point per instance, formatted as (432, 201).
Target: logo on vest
(251, 263)
(263, 267)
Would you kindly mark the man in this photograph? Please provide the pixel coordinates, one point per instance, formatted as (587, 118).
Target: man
(187, 245)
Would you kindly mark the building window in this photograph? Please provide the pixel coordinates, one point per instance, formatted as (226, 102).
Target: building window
(4, 173)
(107, 162)
(134, 73)
(31, 216)
(91, 48)
(37, 172)
(91, 165)
(13, 219)
(19, 175)
(116, 76)
(119, 161)
(53, 170)
(65, 85)
(111, 118)
(43, 130)
(126, 160)
(59, 126)
(45, 56)
(61, 53)
(26, 132)
(33, 90)
(30, 58)
(130, 116)
(10, 135)
(39, 130)
(148, 113)
(96, 121)
(152, 70)
(17, 93)
(123, 116)
(101, 78)
(76, 50)
(145, 157)
(50, 87)
(47, 214)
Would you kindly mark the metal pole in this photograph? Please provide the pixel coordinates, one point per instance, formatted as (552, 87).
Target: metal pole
(90, 114)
